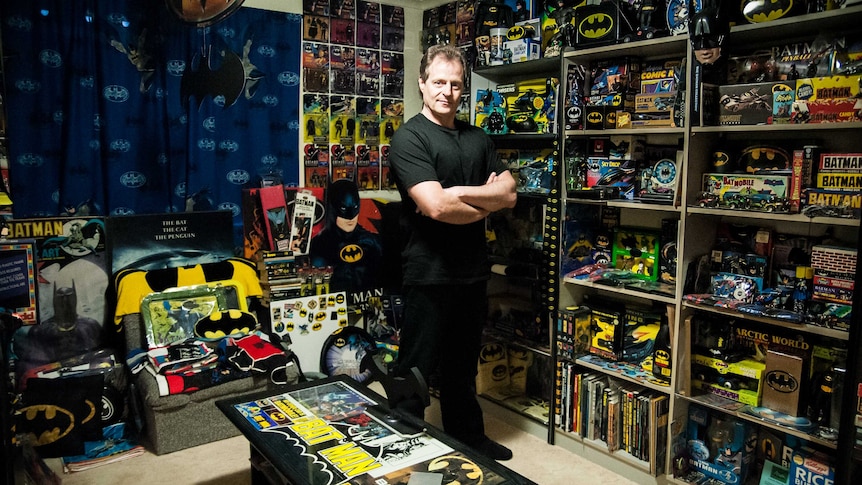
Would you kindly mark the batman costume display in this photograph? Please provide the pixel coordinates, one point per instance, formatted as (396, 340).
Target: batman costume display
(65, 334)
(353, 252)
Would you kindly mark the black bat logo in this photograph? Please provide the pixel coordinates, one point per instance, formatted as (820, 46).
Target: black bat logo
(351, 253)
(227, 80)
(221, 324)
(782, 381)
(756, 11)
(491, 352)
(595, 117)
(596, 26)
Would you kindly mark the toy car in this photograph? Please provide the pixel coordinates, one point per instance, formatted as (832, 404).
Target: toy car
(737, 201)
(708, 199)
(772, 203)
(827, 211)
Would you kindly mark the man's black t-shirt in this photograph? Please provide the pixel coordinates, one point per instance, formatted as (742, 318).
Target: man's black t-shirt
(421, 151)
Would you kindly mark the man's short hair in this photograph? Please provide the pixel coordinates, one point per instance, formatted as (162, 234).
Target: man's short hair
(449, 52)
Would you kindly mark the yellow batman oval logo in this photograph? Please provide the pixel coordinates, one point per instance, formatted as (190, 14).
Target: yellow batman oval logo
(595, 117)
(515, 33)
(350, 253)
(596, 26)
(317, 326)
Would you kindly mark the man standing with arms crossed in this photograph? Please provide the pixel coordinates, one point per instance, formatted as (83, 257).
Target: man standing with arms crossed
(450, 178)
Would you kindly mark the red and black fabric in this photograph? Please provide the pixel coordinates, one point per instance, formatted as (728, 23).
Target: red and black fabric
(254, 353)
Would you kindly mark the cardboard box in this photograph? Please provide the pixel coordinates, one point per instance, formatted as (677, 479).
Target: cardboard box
(728, 184)
(521, 50)
(738, 381)
(719, 445)
(493, 371)
(606, 338)
(654, 103)
(849, 202)
(783, 382)
(748, 104)
(840, 162)
(659, 78)
(636, 250)
(811, 467)
(774, 474)
(828, 99)
(595, 117)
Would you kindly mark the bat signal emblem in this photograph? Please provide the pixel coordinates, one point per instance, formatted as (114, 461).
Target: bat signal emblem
(351, 253)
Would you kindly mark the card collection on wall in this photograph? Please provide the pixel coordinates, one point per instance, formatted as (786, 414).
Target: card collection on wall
(352, 90)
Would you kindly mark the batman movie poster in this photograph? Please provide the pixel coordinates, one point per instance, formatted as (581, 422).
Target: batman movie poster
(72, 274)
(70, 252)
(158, 241)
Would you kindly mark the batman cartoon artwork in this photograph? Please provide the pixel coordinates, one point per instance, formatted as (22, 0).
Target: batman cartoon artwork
(353, 252)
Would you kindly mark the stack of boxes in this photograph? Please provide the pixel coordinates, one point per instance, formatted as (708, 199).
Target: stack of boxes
(834, 276)
(837, 182)
(613, 85)
(654, 103)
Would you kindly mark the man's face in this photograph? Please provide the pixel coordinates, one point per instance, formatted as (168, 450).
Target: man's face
(707, 56)
(441, 93)
(346, 225)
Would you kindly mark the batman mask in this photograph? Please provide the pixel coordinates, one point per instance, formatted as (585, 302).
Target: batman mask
(344, 198)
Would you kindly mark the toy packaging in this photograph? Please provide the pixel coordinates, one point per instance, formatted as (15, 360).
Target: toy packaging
(729, 185)
(530, 105)
(829, 99)
(606, 333)
(636, 250)
(491, 111)
(739, 381)
(810, 467)
(749, 104)
(720, 446)
(784, 380)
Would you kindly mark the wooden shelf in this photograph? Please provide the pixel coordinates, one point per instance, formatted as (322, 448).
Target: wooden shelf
(803, 327)
(625, 371)
(622, 290)
(772, 216)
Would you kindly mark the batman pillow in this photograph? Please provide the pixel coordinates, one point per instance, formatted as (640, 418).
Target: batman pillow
(59, 415)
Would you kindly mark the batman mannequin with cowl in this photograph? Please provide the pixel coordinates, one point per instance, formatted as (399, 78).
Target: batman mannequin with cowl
(63, 335)
(353, 252)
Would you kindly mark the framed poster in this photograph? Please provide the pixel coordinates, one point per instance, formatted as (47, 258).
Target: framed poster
(18, 279)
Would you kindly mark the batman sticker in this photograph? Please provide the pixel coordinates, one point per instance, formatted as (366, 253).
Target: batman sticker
(596, 26)
(351, 253)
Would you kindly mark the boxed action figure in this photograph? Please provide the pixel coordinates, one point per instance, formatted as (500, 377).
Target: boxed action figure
(720, 446)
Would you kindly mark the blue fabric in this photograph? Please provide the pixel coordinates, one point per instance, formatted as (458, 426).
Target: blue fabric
(96, 116)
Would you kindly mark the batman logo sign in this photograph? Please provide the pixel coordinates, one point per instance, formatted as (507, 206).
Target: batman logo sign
(662, 355)
(596, 26)
(351, 253)
(515, 33)
(763, 157)
(757, 11)
(221, 324)
(56, 422)
(491, 352)
(595, 117)
(226, 80)
(781, 381)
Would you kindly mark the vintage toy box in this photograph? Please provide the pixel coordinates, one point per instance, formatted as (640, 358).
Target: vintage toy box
(606, 337)
(748, 104)
(530, 105)
(840, 162)
(636, 250)
(605, 172)
(720, 446)
(811, 467)
(521, 50)
(726, 185)
(615, 76)
(654, 103)
(841, 203)
(828, 99)
(738, 381)
(659, 78)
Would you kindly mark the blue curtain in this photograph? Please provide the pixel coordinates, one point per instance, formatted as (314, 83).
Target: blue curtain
(116, 107)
